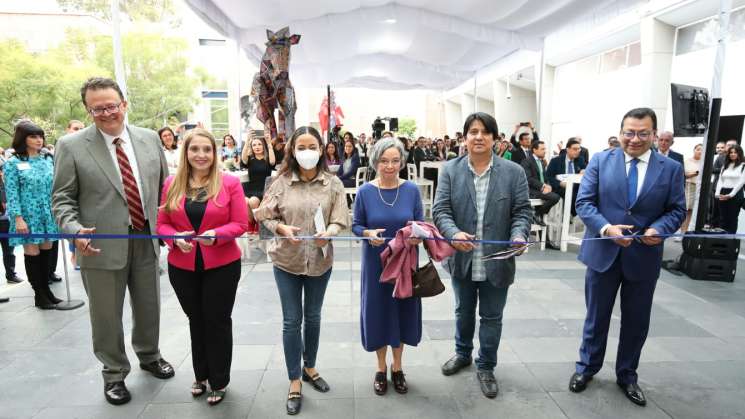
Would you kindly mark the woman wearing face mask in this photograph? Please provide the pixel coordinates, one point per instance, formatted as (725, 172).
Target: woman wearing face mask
(200, 200)
(302, 267)
(28, 187)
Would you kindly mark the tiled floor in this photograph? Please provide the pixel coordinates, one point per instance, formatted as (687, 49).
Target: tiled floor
(693, 365)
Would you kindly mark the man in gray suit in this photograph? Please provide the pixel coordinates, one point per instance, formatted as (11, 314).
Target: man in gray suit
(481, 196)
(107, 180)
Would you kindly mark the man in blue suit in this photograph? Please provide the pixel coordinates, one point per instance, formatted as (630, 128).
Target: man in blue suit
(569, 162)
(625, 191)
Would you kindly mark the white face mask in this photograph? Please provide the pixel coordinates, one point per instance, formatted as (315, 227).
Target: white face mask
(307, 159)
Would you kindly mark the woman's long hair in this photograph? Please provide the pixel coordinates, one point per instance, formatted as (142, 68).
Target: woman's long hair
(263, 145)
(290, 164)
(180, 183)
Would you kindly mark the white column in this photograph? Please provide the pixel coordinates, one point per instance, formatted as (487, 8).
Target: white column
(466, 106)
(657, 43)
(453, 118)
(234, 81)
(545, 113)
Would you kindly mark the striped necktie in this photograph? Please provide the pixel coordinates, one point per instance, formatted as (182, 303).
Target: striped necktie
(134, 203)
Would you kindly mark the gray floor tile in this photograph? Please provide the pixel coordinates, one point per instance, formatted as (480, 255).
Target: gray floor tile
(128, 411)
(710, 404)
(510, 405)
(604, 400)
(225, 410)
(396, 406)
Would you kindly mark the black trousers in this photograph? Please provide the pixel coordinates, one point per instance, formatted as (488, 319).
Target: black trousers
(550, 199)
(729, 211)
(207, 297)
(9, 259)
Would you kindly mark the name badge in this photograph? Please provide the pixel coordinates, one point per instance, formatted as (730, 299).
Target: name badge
(23, 165)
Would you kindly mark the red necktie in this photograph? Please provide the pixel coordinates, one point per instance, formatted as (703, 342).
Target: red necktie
(134, 203)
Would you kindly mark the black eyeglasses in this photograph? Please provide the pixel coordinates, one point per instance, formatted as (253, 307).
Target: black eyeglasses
(643, 135)
(109, 109)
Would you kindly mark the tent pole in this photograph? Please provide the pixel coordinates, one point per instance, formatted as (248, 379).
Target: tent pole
(117, 40)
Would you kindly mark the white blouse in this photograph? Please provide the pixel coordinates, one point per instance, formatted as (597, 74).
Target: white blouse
(732, 178)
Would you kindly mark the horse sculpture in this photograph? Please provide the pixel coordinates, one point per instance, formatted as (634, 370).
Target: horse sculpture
(271, 88)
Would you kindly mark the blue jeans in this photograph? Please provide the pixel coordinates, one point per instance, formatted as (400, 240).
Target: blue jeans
(295, 305)
(491, 302)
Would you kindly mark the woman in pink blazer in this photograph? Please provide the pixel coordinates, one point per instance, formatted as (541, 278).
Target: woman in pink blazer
(200, 201)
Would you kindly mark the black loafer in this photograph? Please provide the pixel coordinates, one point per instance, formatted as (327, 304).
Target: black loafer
(634, 393)
(4, 299)
(160, 369)
(380, 385)
(488, 383)
(55, 278)
(455, 364)
(116, 393)
(294, 403)
(578, 382)
(399, 382)
(316, 382)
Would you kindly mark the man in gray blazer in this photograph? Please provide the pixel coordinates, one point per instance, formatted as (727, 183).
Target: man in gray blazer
(481, 196)
(107, 180)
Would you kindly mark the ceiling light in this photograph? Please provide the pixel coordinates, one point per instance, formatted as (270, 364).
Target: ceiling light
(390, 21)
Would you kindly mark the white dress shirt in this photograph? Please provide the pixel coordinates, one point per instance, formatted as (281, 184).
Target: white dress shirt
(130, 152)
(641, 173)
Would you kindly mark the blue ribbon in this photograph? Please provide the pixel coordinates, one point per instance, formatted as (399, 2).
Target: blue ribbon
(103, 236)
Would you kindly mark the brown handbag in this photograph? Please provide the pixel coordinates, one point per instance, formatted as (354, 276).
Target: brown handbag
(425, 281)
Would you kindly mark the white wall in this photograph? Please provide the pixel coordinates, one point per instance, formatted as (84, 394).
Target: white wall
(591, 105)
(521, 107)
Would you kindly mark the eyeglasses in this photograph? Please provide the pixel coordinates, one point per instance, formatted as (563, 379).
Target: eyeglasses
(643, 135)
(109, 109)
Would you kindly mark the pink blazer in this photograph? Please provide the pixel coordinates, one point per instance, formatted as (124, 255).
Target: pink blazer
(228, 218)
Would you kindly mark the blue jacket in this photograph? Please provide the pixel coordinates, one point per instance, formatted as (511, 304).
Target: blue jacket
(348, 177)
(603, 199)
(558, 166)
(507, 215)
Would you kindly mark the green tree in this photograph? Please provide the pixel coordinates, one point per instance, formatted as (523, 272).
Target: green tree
(46, 87)
(148, 10)
(40, 88)
(407, 127)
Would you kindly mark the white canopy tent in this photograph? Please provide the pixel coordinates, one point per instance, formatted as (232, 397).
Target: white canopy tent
(427, 44)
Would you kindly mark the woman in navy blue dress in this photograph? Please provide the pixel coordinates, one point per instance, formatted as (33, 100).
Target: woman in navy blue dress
(381, 208)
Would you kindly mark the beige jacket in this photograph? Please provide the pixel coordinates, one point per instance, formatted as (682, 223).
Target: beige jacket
(293, 202)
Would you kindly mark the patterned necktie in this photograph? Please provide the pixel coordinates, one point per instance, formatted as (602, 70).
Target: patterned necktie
(633, 181)
(134, 203)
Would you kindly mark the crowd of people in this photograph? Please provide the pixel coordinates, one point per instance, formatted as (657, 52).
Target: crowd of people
(115, 178)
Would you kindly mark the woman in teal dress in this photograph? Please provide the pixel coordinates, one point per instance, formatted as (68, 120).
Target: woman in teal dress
(28, 186)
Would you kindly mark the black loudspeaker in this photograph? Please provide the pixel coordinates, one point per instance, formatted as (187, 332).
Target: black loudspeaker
(393, 124)
(708, 269)
(711, 248)
(710, 258)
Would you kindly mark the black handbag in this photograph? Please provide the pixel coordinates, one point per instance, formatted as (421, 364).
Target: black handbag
(425, 280)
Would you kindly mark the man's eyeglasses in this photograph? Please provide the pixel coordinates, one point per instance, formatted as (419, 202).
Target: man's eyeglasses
(643, 135)
(109, 109)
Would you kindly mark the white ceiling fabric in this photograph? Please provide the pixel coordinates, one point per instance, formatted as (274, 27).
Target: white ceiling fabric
(429, 44)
